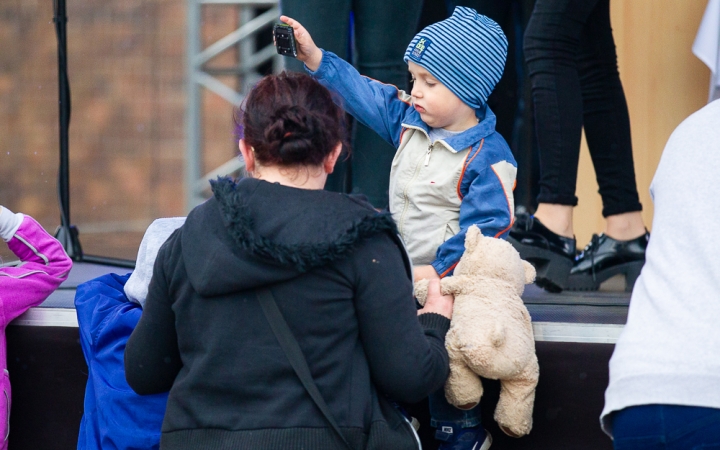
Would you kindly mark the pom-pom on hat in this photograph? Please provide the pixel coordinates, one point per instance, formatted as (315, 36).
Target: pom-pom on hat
(466, 52)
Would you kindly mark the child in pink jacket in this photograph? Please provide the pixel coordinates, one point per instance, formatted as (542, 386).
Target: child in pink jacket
(44, 265)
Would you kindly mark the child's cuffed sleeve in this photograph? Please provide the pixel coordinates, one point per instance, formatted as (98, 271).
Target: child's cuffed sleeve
(381, 107)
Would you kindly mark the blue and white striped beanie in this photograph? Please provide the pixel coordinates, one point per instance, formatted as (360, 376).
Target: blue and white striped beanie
(465, 52)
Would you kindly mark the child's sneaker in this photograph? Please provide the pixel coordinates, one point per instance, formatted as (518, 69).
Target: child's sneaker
(455, 438)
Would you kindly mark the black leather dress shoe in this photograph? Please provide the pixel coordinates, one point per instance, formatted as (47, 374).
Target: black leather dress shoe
(551, 254)
(605, 257)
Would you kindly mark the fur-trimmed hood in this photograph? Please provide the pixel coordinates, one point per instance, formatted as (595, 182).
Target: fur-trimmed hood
(253, 233)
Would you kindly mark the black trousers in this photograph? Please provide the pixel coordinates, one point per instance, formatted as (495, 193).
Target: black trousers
(382, 31)
(571, 58)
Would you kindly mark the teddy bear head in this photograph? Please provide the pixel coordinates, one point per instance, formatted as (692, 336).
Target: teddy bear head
(487, 257)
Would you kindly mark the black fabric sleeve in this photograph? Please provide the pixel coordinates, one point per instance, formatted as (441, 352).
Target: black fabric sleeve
(435, 324)
(407, 355)
(152, 357)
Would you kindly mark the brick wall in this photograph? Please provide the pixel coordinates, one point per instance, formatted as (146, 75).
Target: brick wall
(127, 76)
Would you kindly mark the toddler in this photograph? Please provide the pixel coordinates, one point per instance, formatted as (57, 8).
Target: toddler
(451, 169)
(44, 265)
(108, 309)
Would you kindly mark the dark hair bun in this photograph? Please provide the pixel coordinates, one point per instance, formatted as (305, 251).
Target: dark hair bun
(292, 133)
(291, 119)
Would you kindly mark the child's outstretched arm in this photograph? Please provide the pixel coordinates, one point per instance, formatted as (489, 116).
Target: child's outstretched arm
(44, 264)
(381, 107)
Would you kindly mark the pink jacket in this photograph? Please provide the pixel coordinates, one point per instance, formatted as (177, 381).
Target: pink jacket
(44, 265)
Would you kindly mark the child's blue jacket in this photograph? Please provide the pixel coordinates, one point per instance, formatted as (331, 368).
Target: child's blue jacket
(437, 189)
(115, 417)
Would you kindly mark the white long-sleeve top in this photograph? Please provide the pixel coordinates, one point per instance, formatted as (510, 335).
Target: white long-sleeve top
(669, 351)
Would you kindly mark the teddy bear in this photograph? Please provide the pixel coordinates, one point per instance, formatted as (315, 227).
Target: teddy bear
(490, 332)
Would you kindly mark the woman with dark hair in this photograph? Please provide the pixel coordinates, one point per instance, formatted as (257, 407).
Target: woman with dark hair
(339, 277)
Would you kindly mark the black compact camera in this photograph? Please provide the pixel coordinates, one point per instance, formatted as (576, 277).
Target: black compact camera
(284, 38)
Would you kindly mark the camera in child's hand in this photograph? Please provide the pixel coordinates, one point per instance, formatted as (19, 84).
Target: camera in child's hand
(284, 38)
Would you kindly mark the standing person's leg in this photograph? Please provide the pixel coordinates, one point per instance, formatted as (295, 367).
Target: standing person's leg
(552, 43)
(621, 250)
(383, 30)
(605, 116)
(329, 23)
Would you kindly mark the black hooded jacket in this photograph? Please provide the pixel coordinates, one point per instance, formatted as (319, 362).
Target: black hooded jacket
(339, 278)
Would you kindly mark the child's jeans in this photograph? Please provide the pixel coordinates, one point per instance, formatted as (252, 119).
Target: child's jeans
(443, 413)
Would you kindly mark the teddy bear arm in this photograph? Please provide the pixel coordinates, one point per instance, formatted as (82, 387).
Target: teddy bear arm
(453, 285)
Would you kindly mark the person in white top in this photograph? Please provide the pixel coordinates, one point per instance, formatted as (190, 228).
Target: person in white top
(664, 390)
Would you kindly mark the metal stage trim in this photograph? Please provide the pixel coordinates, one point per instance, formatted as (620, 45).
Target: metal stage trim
(583, 333)
(47, 317)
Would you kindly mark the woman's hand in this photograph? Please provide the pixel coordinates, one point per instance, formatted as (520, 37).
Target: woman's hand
(425, 273)
(307, 51)
(436, 302)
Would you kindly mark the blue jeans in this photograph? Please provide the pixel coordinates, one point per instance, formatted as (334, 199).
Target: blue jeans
(443, 413)
(666, 427)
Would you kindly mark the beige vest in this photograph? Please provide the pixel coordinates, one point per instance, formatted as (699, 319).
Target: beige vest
(424, 193)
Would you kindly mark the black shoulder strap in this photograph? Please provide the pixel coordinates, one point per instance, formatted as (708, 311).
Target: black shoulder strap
(293, 352)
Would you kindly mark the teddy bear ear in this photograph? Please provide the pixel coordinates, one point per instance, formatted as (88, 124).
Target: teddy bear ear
(472, 237)
(529, 272)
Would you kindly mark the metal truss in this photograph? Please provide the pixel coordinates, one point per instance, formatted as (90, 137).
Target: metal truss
(200, 77)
